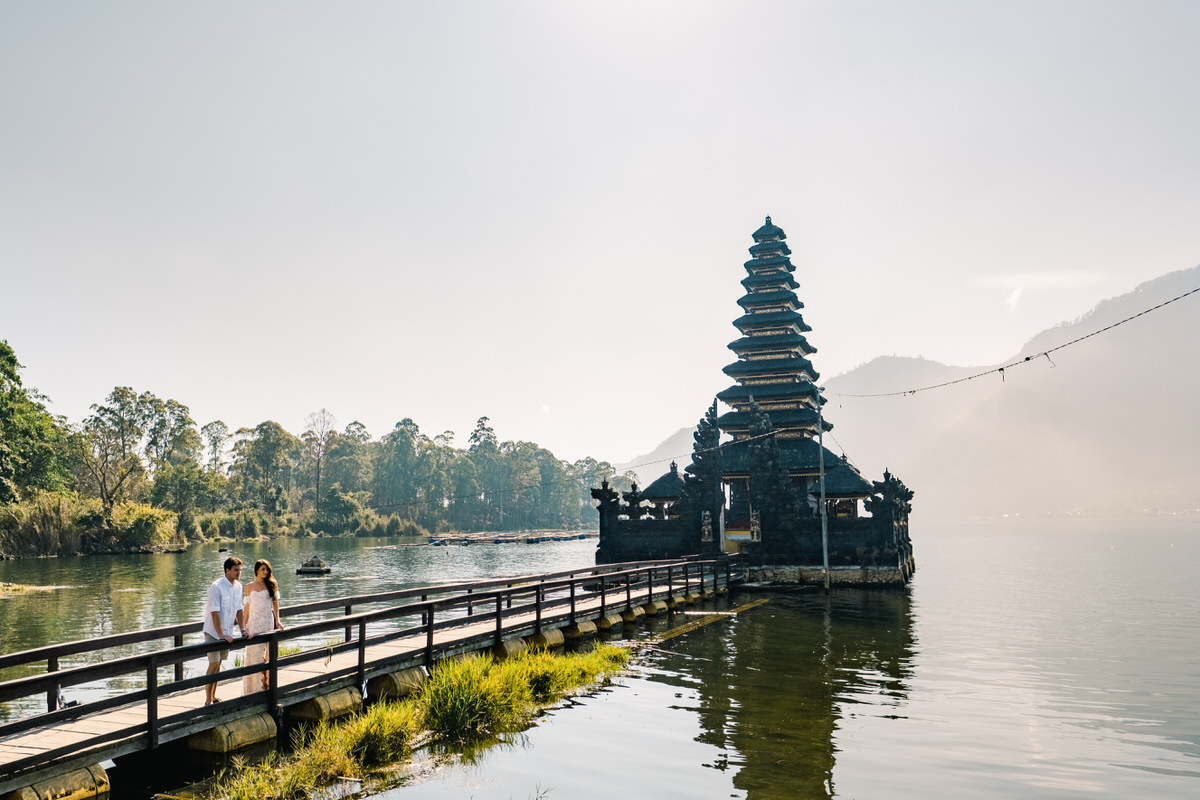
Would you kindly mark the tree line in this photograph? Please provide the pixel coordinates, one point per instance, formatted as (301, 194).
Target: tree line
(139, 471)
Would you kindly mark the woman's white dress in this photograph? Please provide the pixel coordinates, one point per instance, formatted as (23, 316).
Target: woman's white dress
(259, 619)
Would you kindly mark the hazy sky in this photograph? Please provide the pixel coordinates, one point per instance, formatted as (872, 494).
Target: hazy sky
(539, 211)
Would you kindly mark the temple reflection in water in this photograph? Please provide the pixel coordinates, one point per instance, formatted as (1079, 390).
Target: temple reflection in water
(774, 682)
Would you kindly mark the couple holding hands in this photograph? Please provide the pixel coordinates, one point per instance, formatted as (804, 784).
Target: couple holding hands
(255, 611)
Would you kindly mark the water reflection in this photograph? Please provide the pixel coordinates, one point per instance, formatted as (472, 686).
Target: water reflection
(773, 683)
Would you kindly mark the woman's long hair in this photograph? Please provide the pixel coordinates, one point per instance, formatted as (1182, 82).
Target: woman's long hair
(272, 586)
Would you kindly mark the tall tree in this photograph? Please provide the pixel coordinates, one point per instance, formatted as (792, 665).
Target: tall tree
(268, 456)
(171, 436)
(392, 481)
(216, 434)
(349, 458)
(106, 463)
(319, 427)
(31, 439)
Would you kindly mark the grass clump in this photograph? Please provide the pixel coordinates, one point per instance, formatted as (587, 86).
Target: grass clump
(384, 733)
(464, 701)
(473, 697)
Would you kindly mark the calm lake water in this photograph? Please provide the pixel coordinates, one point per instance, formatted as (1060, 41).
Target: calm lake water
(1030, 658)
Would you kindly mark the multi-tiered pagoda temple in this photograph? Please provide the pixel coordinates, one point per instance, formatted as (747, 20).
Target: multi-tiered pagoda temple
(773, 371)
(761, 482)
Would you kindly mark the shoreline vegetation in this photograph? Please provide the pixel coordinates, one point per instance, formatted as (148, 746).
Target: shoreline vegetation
(465, 703)
(140, 475)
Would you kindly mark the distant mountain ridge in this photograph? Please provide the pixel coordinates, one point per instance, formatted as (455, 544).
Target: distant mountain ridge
(1108, 425)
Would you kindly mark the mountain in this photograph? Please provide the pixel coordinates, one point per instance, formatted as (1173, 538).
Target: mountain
(676, 447)
(1108, 424)
(1103, 425)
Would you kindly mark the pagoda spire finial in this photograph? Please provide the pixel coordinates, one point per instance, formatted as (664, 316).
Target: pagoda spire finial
(768, 219)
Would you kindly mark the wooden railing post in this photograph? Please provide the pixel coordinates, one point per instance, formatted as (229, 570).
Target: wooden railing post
(499, 617)
(362, 656)
(349, 611)
(178, 642)
(470, 604)
(273, 672)
(602, 595)
(52, 694)
(429, 641)
(572, 599)
(537, 602)
(152, 700)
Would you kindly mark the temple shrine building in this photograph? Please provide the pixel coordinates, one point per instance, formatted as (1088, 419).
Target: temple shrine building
(860, 531)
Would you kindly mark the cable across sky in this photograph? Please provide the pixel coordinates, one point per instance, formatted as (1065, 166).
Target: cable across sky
(1026, 359)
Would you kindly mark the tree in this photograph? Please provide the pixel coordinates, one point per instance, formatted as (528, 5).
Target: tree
(123, 419)
(32, 441)
(107, 466)
(171, 436)
(483, 438)
(349, 458)
(392, 481)
(267, 456)
(320, 426)
(216, 434)
(182, 488)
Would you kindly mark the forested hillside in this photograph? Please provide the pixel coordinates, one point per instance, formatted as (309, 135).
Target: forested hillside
(139, 471)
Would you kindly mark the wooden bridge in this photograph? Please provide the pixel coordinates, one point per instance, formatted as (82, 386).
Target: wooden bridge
(146, 700)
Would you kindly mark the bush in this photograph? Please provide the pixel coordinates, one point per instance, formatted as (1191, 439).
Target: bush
(138, 525)
(48, 524)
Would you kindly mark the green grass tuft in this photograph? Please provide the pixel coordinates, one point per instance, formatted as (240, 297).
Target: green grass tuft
(466, 701)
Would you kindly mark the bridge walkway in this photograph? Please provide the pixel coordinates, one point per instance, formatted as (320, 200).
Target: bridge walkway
(443, 622)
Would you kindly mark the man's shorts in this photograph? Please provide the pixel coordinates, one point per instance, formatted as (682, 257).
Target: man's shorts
(216, 656)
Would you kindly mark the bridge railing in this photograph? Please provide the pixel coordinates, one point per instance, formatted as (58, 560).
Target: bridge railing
(516, 604)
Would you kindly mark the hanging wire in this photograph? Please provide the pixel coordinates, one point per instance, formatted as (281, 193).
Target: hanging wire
(1024, 360)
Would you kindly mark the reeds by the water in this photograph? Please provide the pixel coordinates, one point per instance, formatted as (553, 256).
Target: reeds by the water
(463, 701)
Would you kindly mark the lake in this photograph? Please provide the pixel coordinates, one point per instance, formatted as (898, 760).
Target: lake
(1029, 658)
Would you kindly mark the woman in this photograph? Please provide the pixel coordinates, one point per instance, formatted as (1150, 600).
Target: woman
(261, 616)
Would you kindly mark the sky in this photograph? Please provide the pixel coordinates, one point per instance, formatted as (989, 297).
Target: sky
(538, 212)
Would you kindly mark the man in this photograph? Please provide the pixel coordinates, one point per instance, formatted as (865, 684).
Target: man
(222, 610)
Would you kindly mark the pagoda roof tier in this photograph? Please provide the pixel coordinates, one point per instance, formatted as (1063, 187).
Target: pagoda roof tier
(842, 480)
(762, 248)
(740, 394)
(667, 487)
(781, 279)
(776, 297)
(774, 263)
(771, 366)
(782, 419)
(769, 232)
(802, 456)
(779, 341)
(771, 319)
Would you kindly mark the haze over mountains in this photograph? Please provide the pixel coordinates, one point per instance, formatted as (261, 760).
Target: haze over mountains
(1105, 426)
